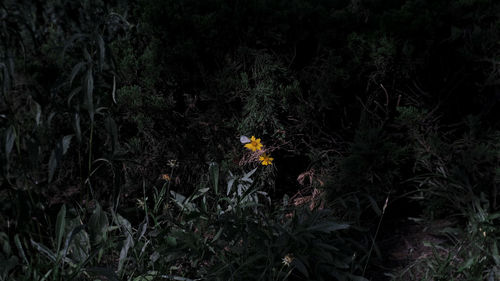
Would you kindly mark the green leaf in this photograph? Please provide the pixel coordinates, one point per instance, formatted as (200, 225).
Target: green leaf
(10, 137)
(7, 265)
(327, 227)
(76, 125)
(102, 50)
(357, 278)
(374, 205)
(72, 94)
(299, 265)
(104, 271)
(46, 275)
(6, 78)
(89, 89)
(69, 238)
(60, 224)
(113, 132)
(38, 115)
(52, 165)
(44, 250)
(65, 142)
(247, 176)
(79, 245)
(467, 264)
(113, 92)
(4, 240)
(98, 225)
(20, 248)
(129, 241)
(150, 276)
(214, 176)
(76, 69)
(217, 235)
(171, 241)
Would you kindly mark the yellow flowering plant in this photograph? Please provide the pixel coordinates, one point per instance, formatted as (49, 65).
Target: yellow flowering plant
(266, 159)
(254, 144)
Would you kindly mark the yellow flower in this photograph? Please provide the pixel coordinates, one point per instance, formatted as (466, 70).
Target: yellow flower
(266, 159)
(254, 144)
(165, 177)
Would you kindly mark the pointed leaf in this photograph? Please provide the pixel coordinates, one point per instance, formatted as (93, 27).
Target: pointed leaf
(76, 125)
(19, 246)
(44, 250)
(113, 92)
(60, 224)
(65, 142)
(102, 50)
(10, 137)
(214, 176)
(89, 89)
(52, 165)
(76, 69)
(327, 227)
(249, 174)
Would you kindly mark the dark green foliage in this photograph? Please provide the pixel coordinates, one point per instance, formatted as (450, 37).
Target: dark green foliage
(111, 113)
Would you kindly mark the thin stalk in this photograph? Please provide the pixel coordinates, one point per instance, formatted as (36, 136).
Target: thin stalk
(90, 147)
(376, 233)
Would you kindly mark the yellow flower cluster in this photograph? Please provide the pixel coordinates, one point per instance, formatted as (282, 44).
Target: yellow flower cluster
(254, 145)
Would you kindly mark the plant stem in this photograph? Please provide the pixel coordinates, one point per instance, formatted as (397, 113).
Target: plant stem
(376, 233)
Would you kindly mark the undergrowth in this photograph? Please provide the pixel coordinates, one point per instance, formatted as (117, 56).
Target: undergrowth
(255, 140)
